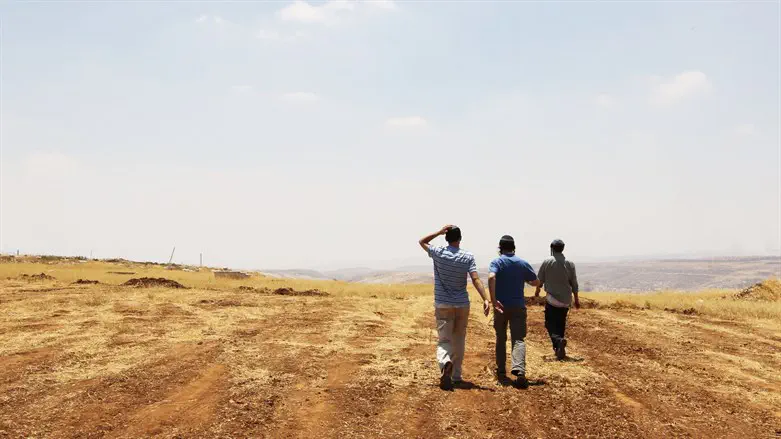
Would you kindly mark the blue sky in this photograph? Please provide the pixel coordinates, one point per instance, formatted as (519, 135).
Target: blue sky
(326, 134)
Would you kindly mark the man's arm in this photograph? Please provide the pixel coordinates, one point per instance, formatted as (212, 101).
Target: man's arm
(480, 289)
(492, 291)
(424, 241)
(574, 284)
(540, 279)
(529, 276)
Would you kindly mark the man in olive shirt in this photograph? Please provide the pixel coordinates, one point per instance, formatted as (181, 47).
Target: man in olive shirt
(558, 276)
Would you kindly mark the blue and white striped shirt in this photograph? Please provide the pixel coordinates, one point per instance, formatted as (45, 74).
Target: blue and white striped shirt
(451, 268)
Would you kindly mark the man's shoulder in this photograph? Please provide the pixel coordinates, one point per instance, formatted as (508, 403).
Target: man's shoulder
(466, 254)
(549, 260)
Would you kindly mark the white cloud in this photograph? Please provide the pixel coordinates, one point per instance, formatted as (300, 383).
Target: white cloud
(303, 12)
(202, 19)
(329, 13)
(746, 129)
(605, 101)
(407, 121)
(683, 86)
(300, 96)
(382, 4)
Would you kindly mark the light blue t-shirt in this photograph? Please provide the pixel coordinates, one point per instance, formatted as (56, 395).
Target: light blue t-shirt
(512, 273)
(451, 268)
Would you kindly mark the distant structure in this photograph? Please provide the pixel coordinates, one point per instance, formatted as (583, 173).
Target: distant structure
(228, 274)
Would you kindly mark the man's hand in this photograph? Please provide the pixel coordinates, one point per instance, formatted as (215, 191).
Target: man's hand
(444, 229)
(498, 307)
(577, 303)
(424, 241)
(486, 307)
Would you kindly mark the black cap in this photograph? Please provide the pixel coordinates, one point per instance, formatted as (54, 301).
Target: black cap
(453, 234)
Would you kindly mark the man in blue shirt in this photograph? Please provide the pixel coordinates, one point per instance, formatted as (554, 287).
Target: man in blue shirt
(452, 265)
(506, 279)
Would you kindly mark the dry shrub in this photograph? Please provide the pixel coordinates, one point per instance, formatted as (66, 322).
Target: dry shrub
(292, 292)
(33, 277)
(623, 304)
(147, 282)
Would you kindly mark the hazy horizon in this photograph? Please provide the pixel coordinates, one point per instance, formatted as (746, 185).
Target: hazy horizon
(336, 134)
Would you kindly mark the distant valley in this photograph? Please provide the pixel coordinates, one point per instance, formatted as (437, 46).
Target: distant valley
(630, 276)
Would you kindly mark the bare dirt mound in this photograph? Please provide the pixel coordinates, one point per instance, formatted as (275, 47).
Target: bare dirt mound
(540, 301)
(768, 291)
(41, 276)
(86, 282)
(147, 282)
(292, 292)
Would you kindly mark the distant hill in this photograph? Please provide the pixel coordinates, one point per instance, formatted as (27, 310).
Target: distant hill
(631, 275)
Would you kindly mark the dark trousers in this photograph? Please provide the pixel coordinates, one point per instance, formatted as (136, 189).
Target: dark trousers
(555, 323)
(516, 318)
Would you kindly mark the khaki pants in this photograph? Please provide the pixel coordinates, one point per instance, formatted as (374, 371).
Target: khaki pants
(451, 329)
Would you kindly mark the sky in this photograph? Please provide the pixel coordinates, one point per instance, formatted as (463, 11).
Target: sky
(336, 134)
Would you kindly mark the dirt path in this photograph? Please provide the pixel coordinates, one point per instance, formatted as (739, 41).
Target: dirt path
(276, 367)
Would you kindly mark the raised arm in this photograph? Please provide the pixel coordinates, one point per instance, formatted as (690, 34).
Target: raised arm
(424, 241)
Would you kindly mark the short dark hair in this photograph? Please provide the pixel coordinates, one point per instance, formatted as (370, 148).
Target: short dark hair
(557, 245)
(507, 244)
(453, 235)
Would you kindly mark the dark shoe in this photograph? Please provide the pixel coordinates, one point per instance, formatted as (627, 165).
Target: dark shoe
(521, 382)
(561, 351)
(445, 382)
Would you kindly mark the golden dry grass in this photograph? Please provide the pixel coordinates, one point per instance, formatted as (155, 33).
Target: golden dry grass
(724, 304)
(107, 273)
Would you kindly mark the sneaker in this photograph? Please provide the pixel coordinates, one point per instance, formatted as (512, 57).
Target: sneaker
(561, 351)
(445, 382)
(521, 382)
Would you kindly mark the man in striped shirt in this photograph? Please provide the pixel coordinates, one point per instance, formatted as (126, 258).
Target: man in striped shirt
(451, 300)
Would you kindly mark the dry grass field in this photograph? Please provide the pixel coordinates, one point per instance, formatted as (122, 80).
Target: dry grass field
(248, 358)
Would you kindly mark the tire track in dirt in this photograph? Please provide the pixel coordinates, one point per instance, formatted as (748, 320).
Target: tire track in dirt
(191, 405)
(324, 374)
(637, 368)
(113, 405)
